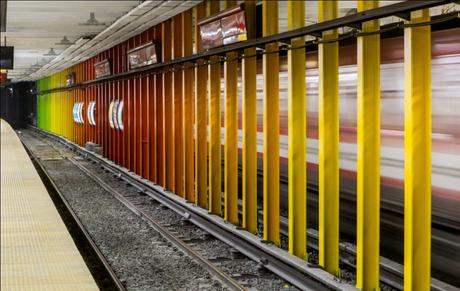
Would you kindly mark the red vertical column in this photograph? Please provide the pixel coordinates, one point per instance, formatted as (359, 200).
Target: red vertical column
(123, 68)
(131, 117)
(151, 130)
(145, 159)
(139, 116)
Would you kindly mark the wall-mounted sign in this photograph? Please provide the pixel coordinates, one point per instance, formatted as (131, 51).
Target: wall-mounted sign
(143, 55)
(116, 114)
(102, 69)
(91, 113)
(70, 79)
(77, 112)
(120, 115)
(111, 115)
(225, 27)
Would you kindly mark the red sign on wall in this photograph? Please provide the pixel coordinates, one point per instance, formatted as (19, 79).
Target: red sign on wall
(3, 76)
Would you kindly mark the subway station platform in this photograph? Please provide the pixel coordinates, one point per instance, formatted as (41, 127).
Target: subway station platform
(37, 251)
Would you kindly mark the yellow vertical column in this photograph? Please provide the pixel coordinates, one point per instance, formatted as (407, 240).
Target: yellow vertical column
(231, 137)
(200, 118)
(215, 168)
(328, 143)
(297, 135)
(231, 134)
(368, 183)
(249, 164)
(417, 153)
(271, 125)
(187, 94)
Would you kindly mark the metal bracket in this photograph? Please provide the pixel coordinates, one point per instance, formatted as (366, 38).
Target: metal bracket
(403, 15)
(357, 25)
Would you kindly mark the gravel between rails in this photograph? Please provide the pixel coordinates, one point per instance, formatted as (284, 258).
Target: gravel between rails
(140, 256)
(246, 271)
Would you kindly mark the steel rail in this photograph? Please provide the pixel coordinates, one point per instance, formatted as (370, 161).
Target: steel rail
(391, 272)
(223, 277)
(102, 260)
(401, 9)
(288, 267)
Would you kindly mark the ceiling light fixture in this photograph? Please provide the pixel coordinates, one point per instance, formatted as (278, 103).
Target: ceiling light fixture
(92, 20)
(51, 53)
(64, 41)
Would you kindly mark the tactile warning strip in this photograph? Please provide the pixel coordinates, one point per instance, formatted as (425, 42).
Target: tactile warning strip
(37, 252)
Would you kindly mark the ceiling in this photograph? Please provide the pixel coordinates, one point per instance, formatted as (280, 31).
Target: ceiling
(34, 27)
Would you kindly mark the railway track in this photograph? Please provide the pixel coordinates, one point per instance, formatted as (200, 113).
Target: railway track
(140, 204)
(99, 267)
(267, 257)
(391, 272)
(137, 204)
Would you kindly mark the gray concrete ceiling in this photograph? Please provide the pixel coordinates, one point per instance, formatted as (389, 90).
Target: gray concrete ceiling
(34, 27)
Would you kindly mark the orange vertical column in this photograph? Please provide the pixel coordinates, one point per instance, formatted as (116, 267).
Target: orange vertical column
(168, 106)
(159, 117)
(201, 170)
(152, 131)
(187, 97)
(178, 109)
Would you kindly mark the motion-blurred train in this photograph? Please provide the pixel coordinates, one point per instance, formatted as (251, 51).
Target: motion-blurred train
(445, 145)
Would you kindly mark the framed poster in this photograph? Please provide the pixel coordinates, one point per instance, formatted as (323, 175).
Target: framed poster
(143, 55)
(225, 27)
(102, 69)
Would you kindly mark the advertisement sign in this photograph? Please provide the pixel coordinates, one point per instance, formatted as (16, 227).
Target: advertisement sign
(102, 69)
(143, 55)
(225, 27)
